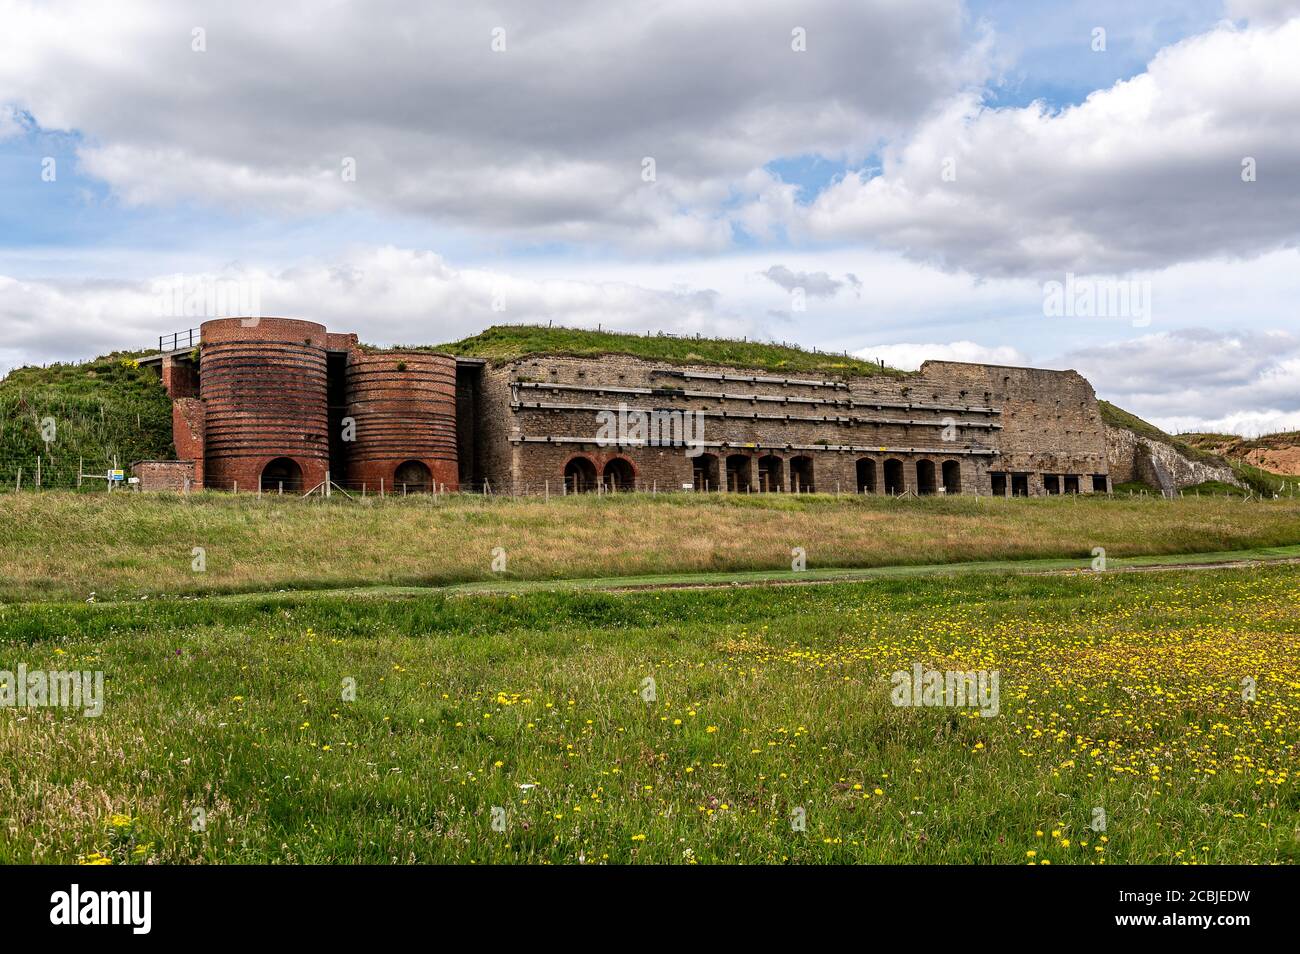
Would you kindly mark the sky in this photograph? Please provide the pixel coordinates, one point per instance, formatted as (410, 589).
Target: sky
(1107, 186)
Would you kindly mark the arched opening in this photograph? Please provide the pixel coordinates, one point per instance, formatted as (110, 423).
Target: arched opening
(769, 474)
(579, 476)
(801, 474)
(705, 471)
(412, 477)
(866, 475)
(283, 473)
(738, 473)
(951, 477)
(924, 477)
(893, 477)
(619, 475)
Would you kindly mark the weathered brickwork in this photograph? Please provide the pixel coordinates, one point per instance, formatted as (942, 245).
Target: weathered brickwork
(177, 475)
(402, 406)
(949, 428)
(282, 403)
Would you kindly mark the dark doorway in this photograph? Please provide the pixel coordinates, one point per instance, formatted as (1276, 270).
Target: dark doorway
(893, 477)
(1051, 483)
(1020, 485)
(1071, 484)
(999, 484)
(412, 477)
(801, 474)
(951, 477)
(282, 474)
(866, 476)
(705, 472)
(738, 473)
(619, 475)
(924, 477)
(579, 476)
(1100, 483)
(769, 474)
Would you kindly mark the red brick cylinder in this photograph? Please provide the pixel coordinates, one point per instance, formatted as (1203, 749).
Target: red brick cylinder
(263, 383)
(403, 404)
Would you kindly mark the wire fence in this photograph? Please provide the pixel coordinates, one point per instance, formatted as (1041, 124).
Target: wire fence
(41, 472)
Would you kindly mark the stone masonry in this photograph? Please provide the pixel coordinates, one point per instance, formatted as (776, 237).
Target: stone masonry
(280, 403)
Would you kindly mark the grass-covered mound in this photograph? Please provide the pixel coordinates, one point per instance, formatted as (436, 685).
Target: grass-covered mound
(106, 408)
(507, 342)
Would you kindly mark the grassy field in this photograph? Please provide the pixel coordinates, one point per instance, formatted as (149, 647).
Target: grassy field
(1118, 692)
(124, 546)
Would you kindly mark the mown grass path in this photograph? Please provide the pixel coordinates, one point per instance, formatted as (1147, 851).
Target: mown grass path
(1227, 559)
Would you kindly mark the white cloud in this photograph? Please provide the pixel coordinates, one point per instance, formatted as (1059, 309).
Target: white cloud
(1141, 175)
(387, 295)
(1196, 379)
(1263, 11)
(545, 140)
(910, 357)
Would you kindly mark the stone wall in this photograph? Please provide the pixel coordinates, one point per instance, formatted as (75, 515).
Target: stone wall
(1137, 458)
(946, 428)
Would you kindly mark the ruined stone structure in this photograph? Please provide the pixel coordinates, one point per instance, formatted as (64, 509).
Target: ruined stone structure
(276, 403)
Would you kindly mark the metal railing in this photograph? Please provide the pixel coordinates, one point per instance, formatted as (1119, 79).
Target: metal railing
(178, 340)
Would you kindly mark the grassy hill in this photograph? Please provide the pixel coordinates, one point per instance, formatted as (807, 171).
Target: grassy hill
(102, 409)
(507, 342)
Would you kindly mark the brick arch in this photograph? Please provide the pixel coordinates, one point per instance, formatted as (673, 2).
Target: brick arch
(580, 479)
(608, 458)
(618, 473)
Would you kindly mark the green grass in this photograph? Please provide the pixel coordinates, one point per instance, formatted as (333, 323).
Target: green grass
(506, 342)
(1118, 417)
(1263, 482)
(123, 546)
(1119, 692)
(104, 409)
